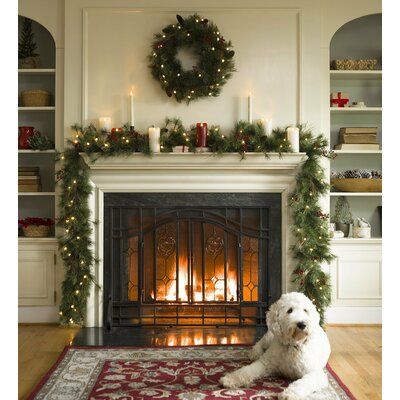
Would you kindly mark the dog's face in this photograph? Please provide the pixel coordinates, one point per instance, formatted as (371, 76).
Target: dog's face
(292, 318)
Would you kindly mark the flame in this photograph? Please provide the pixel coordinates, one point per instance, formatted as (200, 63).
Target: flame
(213, 292)
(196, 339)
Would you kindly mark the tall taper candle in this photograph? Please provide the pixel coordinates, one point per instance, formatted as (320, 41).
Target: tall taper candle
(132, 120)
(250, 107)
(154, 139)
(268, 126)
(294, 138)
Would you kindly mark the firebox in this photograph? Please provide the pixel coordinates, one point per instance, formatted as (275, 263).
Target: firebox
(191, 258)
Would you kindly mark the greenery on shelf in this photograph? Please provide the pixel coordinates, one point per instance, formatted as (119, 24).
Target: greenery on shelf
(27, 46)
(40, 142)
(342, 211)
(215, 56)
(310, 224)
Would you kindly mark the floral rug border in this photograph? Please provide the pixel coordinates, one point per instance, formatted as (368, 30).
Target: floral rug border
(69, 351)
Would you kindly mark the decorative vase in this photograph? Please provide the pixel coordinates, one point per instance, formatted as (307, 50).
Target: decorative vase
(345, 228)
(25, 132)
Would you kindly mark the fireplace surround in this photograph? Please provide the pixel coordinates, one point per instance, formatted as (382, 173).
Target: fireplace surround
(185, 173)
(191, 258)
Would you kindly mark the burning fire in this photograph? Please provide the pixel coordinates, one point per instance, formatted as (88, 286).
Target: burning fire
(196, 339)
(214, 291)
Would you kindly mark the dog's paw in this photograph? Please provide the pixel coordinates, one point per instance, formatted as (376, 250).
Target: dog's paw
(254, 354)
(289, 394)
(230, 381)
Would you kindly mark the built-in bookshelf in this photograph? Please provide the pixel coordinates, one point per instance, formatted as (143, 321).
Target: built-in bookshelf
(351, 42)
(43, 203)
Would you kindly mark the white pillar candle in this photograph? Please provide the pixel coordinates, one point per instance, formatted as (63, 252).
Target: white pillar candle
(294, 138)
(132, 119)
(268, 126)
(250, 107)
(105, 123)
(154, 139)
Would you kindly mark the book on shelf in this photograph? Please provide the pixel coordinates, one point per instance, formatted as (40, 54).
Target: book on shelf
(28, 171)
(28, 181)
(359, 130)
(357, 146)
(358, 138)
(31, 178)
(36, 187)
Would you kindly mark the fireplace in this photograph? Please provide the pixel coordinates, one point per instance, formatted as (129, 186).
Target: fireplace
(191, 258)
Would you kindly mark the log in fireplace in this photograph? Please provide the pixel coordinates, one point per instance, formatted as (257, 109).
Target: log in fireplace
(191, 258)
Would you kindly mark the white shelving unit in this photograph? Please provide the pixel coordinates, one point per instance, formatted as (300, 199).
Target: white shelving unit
(353, 75)
(354, 110)
(359, 152)
(36, 193)
(36, 151)
(40, 204)
(361, 85)
(37, 71)
(49, 108)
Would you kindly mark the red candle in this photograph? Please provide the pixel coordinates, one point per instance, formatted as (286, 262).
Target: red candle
(201, 134)
(115, 132)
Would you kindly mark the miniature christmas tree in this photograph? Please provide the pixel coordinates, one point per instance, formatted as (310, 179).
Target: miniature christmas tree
(26, 45)
(342, 211)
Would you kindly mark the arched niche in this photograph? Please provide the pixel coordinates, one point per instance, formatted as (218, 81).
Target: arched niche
(46, 47)
(360, 38)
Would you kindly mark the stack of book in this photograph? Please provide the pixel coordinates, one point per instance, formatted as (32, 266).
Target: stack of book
(358, 139)
(29, 179)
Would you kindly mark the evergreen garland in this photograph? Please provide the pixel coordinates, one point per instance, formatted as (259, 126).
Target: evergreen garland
(215, 55)
(26, 44)
(310, 224)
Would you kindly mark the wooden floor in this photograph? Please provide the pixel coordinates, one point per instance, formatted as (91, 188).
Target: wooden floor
(356, 356)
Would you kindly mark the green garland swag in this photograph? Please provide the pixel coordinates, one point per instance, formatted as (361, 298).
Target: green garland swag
(215, 55)
(310, 224)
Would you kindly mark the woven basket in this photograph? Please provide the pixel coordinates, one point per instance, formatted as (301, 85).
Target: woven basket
(36, 230)
(357, 185)
(369, 64)
(35, 98)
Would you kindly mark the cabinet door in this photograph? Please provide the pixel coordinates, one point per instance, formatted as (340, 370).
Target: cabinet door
(356, 275)
(36, 280)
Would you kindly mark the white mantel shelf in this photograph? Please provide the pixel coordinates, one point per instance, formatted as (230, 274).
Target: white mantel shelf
(258, 161)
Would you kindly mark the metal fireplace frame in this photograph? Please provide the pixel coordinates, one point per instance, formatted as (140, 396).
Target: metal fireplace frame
(204, 208)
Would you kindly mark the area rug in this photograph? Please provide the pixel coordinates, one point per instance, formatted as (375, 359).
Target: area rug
(173, 373)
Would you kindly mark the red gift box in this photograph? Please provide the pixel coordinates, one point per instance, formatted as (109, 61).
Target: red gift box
(339, 99)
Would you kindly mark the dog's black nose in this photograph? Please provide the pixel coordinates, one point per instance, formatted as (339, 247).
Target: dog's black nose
(301, 325)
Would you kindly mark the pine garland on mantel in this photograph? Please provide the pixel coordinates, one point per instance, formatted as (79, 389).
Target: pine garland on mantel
(310, 224)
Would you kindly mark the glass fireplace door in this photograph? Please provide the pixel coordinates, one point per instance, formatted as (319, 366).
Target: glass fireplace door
(191, 265)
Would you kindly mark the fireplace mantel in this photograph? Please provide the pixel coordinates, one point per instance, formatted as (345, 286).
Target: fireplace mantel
(231, 161)
(187, 173)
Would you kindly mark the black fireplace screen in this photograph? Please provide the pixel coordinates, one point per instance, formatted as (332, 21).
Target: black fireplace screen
(191, 259)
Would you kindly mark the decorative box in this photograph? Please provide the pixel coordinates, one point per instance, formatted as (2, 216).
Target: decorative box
(180, 149)
(339, 99)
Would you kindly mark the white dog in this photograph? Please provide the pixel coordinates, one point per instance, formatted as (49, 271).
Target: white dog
(295, 347)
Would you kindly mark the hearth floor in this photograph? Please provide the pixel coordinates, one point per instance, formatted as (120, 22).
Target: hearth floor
(166, 336)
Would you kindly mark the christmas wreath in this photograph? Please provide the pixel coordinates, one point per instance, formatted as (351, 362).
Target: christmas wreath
(215, 56)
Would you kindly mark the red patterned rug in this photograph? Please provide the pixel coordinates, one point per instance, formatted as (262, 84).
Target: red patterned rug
(174, 373)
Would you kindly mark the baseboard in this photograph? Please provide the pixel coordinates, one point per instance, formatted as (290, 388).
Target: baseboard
(44, 315)
(354, 315)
